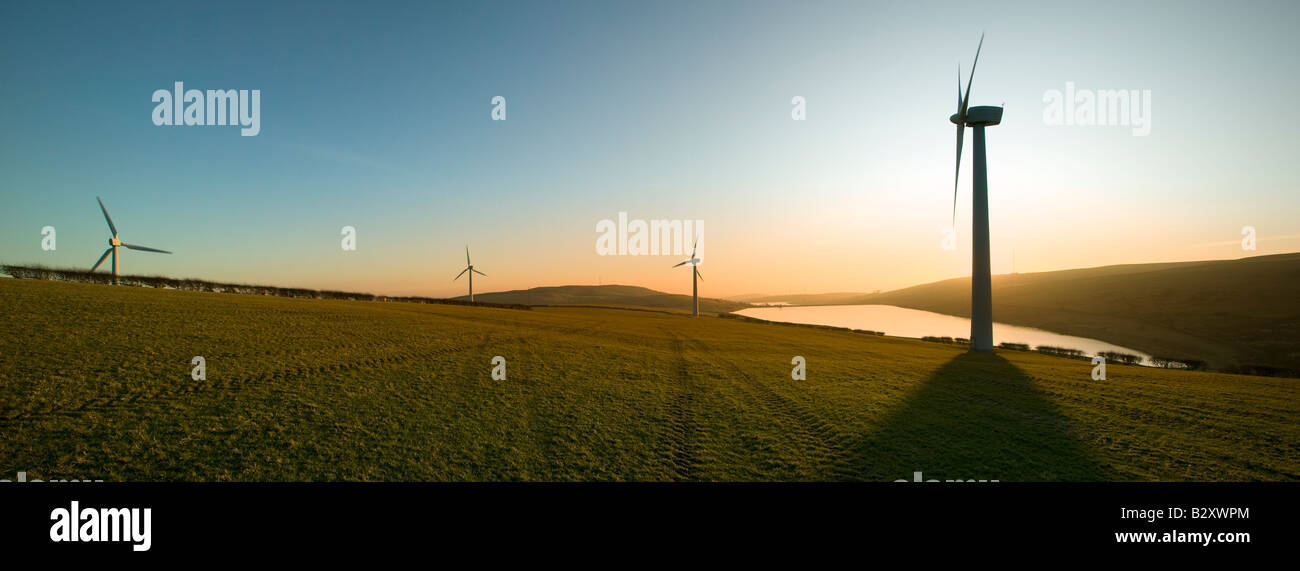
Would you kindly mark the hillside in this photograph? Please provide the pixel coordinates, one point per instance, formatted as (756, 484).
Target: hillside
(95, 382)
(835, 298)
(1229, 313)
(611, 295)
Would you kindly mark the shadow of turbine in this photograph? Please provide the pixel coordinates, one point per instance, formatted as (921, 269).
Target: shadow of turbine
(978, 417)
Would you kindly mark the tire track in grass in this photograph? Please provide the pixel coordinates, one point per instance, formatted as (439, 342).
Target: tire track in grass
(683, 426)
(809, 431)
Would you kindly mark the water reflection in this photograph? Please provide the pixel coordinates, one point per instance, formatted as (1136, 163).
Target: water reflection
(903, 322)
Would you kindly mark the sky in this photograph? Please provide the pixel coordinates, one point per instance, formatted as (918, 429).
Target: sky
(378, 116)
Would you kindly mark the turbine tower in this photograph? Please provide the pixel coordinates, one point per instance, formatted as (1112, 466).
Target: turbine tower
(695, 276)
(469, 267)
(114, 242)
(981, 288)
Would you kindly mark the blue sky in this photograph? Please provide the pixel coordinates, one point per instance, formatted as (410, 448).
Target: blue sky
(377, 116)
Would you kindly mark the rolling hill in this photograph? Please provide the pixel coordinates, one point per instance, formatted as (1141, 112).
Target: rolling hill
(1233, 314)
(607, 295)
(96, 383)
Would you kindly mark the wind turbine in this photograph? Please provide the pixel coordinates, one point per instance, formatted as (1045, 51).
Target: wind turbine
(469, 268)
(695, 276)
(114, 242)
(981, 288)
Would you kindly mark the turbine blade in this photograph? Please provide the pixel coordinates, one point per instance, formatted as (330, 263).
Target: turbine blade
(106, 217)
(959, 87)
(145, 249)
(467, 262)
(965, 103)
(698, 274)
(480, 273)
(693, 246)
(680, 263)
(462, 272)
(961, 133)
(101, 259)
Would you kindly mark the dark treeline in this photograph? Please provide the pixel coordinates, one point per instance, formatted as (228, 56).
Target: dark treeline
(185, 284)
(1062, 352)
(947, 340)
(1121, 358)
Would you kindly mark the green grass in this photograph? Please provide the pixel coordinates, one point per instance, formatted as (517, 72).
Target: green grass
(95, 383)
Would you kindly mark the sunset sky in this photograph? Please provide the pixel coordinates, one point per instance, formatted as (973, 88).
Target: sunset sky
(378, 116)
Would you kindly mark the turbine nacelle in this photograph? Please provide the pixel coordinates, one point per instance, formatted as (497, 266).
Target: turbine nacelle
(114, 242)
(986, 115)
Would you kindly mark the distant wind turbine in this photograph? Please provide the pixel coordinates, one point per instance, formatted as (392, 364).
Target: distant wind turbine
(981, 288)
(469, 267)
(114, 242)
(695, 276)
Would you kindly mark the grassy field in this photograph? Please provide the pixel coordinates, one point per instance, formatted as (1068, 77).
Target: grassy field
(95, 383)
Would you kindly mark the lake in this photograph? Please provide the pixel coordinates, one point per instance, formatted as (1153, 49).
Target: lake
(903, 322)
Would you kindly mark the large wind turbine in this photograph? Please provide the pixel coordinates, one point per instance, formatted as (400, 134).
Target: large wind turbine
(695, 276)
(113, 243)
(469, 267)
(981, 289)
